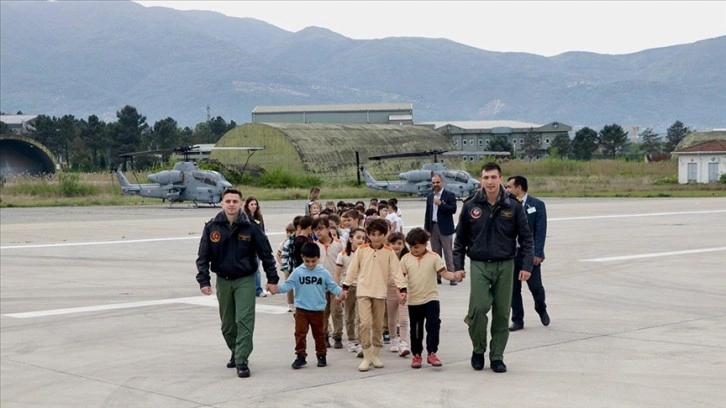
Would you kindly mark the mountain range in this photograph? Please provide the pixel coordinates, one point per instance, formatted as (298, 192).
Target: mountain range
(84, 58)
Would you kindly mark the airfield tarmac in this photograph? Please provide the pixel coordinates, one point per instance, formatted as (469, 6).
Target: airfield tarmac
(99, 308)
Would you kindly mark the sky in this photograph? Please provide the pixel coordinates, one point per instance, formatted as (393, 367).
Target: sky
(539, 27)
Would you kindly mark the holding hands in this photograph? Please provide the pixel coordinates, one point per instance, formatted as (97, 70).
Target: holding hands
(272, 289)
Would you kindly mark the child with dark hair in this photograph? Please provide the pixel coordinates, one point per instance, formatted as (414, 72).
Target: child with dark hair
(373, 265)
(397, 314)
(356, 239)
(310, 281)
(421, 267)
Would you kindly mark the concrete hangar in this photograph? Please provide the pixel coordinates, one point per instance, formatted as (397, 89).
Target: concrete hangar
(20, 154)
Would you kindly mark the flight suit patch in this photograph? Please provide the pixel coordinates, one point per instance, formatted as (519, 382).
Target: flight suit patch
(215, 236)
(244, 237)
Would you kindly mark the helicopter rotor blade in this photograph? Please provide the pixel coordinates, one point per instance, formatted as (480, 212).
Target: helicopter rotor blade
(412, 154)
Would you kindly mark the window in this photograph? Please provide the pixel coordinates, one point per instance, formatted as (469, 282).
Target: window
(514, 141)
(463, 142)
(547, 141)
(481, 142)
(521, 141)
(456, 142)
(471, 142)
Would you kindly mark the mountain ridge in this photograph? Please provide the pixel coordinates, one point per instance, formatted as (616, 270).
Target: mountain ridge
(93, 58)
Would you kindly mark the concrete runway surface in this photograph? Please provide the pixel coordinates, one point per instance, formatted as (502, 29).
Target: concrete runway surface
(99, 308)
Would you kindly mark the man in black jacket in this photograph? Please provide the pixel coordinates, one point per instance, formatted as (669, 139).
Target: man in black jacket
(439, 221)
(490, 224)
(231, 244)
(537, 219)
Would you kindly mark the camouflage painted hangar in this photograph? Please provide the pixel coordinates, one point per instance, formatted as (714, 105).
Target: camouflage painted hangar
(325, 148)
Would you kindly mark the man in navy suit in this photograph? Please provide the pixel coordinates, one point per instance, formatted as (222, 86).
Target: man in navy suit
(439, 222)
(537, 218)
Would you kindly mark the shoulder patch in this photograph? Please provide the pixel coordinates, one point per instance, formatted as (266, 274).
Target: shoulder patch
(475, 212)
(215, 236)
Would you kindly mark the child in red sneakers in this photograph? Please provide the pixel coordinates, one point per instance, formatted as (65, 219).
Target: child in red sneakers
(422, 267)
(397, 313)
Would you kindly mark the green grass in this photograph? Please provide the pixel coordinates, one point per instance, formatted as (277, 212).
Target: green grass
(547, 178)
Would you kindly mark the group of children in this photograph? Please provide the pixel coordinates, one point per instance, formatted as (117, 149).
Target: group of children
(345, 263)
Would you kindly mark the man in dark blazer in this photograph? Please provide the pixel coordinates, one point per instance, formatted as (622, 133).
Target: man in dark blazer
(537, 218)
(439, 222)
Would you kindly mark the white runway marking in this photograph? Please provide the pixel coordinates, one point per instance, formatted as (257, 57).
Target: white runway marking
(210, 301)
(137, 241)
(654, 255)
(595, 217)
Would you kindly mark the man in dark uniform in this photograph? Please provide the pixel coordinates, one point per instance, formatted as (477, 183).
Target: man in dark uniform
(439, 221)
(231, 244)
(537, 219)
(490, 225)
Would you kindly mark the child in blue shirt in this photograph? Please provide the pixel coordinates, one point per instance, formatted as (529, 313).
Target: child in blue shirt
(310, 282)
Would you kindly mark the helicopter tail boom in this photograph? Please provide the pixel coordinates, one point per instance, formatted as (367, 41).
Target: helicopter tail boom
(126, 187)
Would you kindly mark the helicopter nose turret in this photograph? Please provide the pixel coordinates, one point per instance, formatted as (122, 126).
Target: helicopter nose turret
(225, 185)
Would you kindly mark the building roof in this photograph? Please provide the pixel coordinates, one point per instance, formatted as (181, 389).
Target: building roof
(16, 119)
(485, 124)
(696, 138)
(334, 108)
(713, 146)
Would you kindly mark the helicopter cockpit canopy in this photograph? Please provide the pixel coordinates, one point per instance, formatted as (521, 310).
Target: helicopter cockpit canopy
(460, 176)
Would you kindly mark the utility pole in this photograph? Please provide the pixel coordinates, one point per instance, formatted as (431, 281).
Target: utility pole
(209, 116)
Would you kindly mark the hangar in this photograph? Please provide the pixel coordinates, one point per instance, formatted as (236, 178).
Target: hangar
(324, 148)
(23, 155)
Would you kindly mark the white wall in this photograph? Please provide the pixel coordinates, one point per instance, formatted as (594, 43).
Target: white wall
(701, 160)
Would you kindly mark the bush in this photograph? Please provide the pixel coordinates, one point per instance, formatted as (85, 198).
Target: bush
(722, 179)
(69, 185)
(666, 180)
(279, 178)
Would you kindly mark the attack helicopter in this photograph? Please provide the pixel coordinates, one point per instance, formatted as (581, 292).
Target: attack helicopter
(418, 182)
(185, 182)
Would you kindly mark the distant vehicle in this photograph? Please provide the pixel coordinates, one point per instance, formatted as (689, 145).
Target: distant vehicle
(418, 182)
(186, 182)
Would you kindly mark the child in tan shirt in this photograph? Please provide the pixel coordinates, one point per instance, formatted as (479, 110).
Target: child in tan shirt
(372, 265)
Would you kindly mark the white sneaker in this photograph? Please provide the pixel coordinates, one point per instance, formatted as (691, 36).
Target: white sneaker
(403, 350)
(394, 345)
(289, 307)
(351, 347)
(264, 293)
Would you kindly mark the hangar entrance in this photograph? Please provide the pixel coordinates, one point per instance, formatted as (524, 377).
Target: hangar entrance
(18, 156)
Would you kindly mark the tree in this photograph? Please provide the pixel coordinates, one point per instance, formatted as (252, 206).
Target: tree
(500, 144)
(650, 142)
(612, 139)
(584, 144)
(94, 134)
(562, 145)
(125, 134)
(531, 145)
(674, 134)
(164, 134)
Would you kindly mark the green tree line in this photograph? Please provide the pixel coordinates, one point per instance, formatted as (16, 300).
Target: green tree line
(92, 144)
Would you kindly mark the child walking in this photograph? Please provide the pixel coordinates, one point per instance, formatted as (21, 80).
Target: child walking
(421, 267)
(310, 282)
(397, 314)
(372, 265)
(357, 238)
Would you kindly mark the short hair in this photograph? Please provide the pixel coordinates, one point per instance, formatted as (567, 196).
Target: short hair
(320, 221)
(353, 214)
(382, 206)
(491, 166)
(371, 211)
(296, 221)
(360, 207)
(334, 217)
(519, 181)
(306, 221)
(341, 204)
(396, 236)
(384, 202)
(310, 250)
(326, 211)
(374, 199)
(393, 200)
(290, 227)
(377, 224)
(417, 236)
(230, 191)
(392, 206)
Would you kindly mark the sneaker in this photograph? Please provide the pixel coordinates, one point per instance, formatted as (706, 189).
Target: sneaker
(394, 346)
(433, 360)
(416, 361)
(322, 361)
(264, 293)
(359, 351)
(338, 344)
(498, 366)
(289, 308)
(386, 337)
(299, 362)
(403, 350)
(243, 371)
(477, 361)
(351, 347)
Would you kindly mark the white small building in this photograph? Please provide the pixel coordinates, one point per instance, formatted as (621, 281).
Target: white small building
(702, 163)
